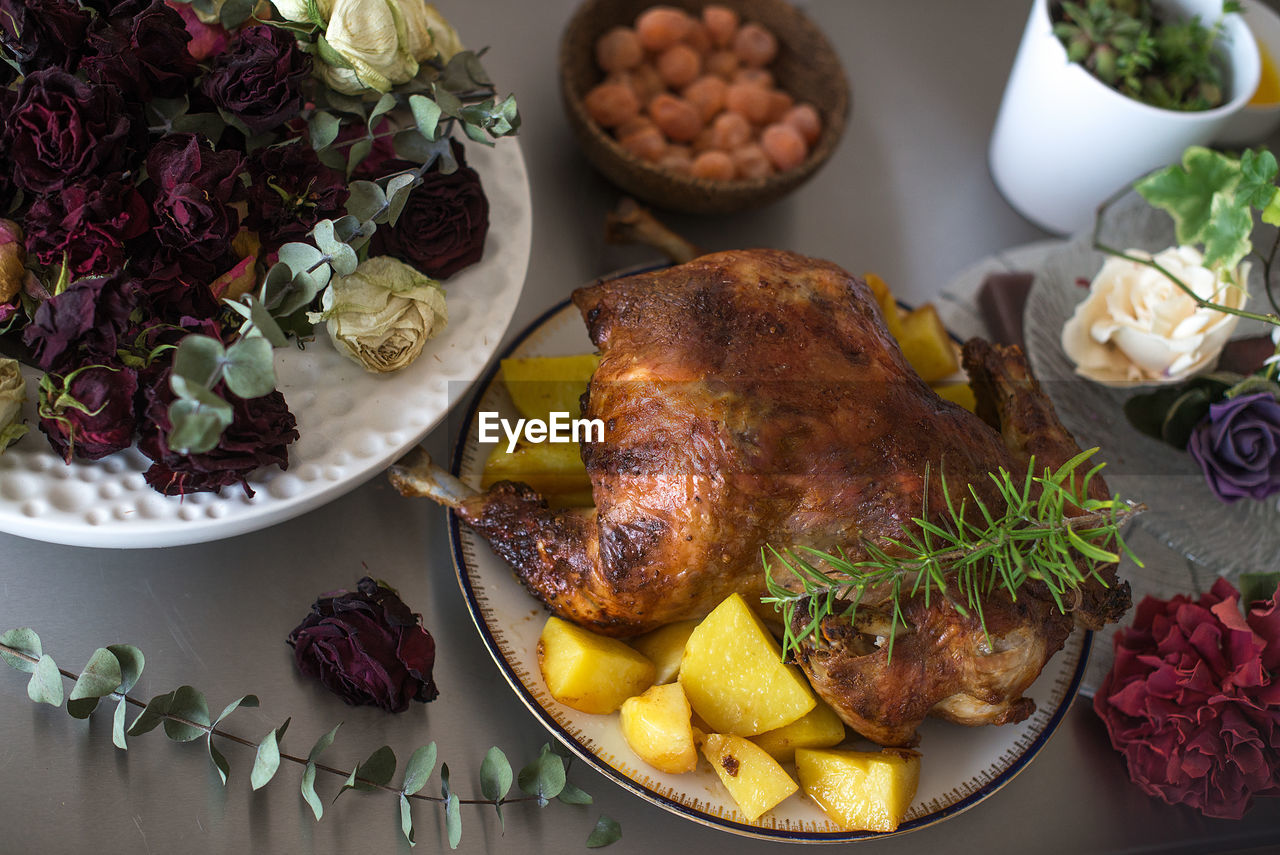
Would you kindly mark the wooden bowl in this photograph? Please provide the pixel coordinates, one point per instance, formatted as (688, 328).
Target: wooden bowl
(806, 67)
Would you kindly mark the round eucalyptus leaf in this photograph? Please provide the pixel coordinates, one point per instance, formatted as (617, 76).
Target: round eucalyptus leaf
(196, 426)
(495, 775)
(419, 768)
(324, 129)
(101, 676)
(250, 371)
(189, 704)
(24, 640)
(300, 257)
(198, 360)
(344, 260)
(131, 664)
(385, 103)
(45, 686)
(398, 190)
(365, 201)
(426, 114)
(606, 831)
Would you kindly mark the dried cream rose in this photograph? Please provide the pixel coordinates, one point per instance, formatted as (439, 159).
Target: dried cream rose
(1137, 327)
(305, 11)
(382, 41)
(383, 313)
(13, 393)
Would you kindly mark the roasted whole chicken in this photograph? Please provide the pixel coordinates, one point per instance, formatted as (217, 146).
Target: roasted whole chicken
(755, 398)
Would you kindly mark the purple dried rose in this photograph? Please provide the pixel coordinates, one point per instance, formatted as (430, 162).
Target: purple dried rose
(443, 226)
(143, 54)
(88, 223)
(192, 189)
(60, 129)
(259, 78)
(42, 33)
(89, 412)
(291, 191)
(82, 324)
(367, 647)
(259, 435)
(1238, 447)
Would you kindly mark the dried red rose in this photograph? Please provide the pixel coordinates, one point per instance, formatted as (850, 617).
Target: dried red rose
(60, 129)
(144, 54)
(443, 226)
(367, 647)
(260, 434)
(259, 79)
(82, 324)
(42, 33)
(88, 223)
(1193, 701)
(89, 413)
(291, 191)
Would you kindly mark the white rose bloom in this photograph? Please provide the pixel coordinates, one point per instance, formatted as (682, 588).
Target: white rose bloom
(383, 313)
(13, 392)
(371, 36)
(1136, 326)
(296, 10)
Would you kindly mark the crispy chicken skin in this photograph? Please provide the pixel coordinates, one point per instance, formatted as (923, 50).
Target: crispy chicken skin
(755, 398)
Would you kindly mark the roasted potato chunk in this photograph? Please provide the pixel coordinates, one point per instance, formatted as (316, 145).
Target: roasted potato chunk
(754, 779)
(543, 385)
(820, 728)
(927, 345)
(664, 647)
(657, 726)
(733, 674)
(551, 468)
(860, 790)
(588, 672)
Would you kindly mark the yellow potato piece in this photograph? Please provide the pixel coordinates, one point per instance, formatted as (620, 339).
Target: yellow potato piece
(958, 393)
(733, 674)
(860, 790)
(664, 647)
(754, 779)
(927, 345)
(548, 467)
(820, 728)
(542, 385)
(657, 726)
(887, 302)
(588, 672)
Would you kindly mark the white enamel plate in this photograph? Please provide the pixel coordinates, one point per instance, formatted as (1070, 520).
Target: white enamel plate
(352, 423)
(960, 766)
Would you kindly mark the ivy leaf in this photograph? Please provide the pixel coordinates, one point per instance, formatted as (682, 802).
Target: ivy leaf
(189, 704)
(574, 795)
(324, 129)
(453, 821)
(607, 831)
(131, 663)
(1271, 213)
(426, 115)
(1226, 236)
(25, 640)
(544, 778)
(101, 676)
(419, 769)
(406, 819)
(45, 686)
(151, 715)
(267, 760)
(1257, 178)
(365, 200)
(250, 370)
(1187, 191)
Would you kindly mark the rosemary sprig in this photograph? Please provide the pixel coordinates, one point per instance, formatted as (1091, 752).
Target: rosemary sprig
(1047, 526)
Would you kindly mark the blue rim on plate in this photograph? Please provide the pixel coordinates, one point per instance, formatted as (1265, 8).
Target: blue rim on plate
(988, 787)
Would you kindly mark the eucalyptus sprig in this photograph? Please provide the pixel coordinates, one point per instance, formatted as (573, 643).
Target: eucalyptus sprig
(1048, 531)
(1212, 197)
(184, 713)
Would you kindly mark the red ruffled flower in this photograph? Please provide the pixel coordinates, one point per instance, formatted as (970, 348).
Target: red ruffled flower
(1193, 700)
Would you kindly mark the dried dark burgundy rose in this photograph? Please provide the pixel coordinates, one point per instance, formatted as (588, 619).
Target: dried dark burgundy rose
(1193, 700)
(144, 54)
(42, 33)
(82, 324)
(60, 129)
(291, 191)
(259, 80)
(260, 433)
(367, 647)
(88, 223)
(443, 226)
(89, 413)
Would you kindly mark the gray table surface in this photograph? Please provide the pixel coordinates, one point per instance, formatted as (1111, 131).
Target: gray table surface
(906, 194)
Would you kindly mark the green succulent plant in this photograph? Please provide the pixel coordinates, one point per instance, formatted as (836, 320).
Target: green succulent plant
(1131, 47)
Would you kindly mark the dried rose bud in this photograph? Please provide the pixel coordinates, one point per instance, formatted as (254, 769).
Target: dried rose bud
(13, 260)
(367, 647)
(13, 393)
